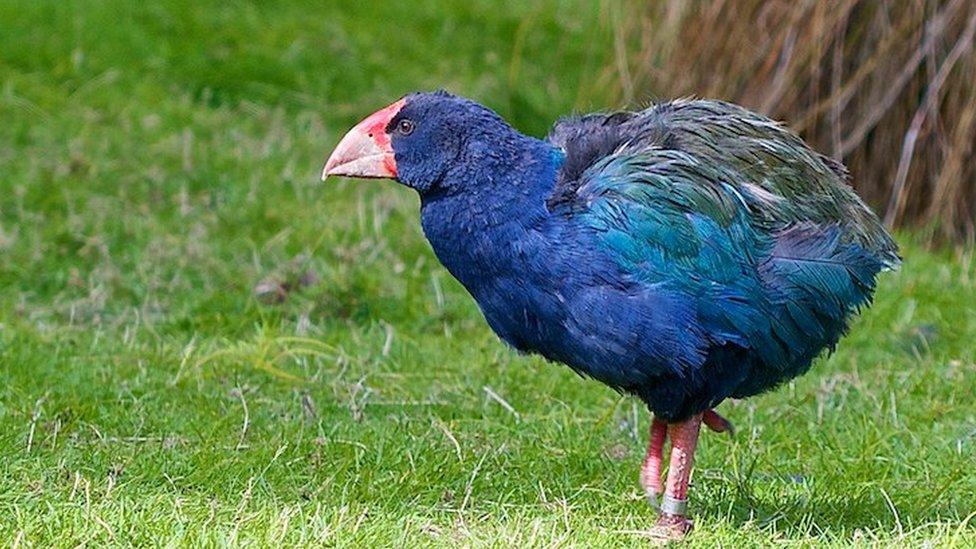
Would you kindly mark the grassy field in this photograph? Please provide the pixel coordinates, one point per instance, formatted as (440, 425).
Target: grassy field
(199, 343)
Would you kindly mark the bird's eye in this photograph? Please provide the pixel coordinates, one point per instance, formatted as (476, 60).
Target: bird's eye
(405, 126)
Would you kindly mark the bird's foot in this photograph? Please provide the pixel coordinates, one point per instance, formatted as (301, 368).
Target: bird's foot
(671, 527)
(717, 423)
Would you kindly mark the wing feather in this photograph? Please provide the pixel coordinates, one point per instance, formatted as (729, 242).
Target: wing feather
(731, 210)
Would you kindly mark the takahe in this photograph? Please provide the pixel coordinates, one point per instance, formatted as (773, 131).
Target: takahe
(687, 253)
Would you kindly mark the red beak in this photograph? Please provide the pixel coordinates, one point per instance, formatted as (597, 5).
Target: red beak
(366, 150)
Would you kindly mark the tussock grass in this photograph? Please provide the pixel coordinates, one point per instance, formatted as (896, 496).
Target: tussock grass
(885, 86)
(158, 164)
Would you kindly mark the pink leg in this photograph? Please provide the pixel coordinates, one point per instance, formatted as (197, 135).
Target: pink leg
(650, 474)
(674, 521)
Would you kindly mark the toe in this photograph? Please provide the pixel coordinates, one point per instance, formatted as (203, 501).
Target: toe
(717, 423)
(671, 527)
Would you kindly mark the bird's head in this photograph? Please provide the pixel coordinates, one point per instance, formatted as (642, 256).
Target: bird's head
(419, 139)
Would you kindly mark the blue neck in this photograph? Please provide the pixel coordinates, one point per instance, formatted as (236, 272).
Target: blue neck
(497, 183)
(487, 204)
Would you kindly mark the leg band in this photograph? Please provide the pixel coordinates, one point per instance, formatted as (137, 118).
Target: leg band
(674, 506)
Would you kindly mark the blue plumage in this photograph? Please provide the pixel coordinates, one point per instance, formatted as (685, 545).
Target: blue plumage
(686, 253)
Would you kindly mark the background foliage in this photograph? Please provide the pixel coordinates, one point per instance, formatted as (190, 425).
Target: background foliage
(886, 86)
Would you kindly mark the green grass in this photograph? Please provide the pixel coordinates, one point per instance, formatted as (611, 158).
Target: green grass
(158, 163)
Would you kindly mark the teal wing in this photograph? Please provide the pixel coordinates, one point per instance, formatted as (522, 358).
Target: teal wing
(761, 235)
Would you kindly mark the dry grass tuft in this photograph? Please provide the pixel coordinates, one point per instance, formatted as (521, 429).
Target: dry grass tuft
(885, 86)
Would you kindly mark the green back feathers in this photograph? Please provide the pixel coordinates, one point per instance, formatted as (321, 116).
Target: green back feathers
(720, 160)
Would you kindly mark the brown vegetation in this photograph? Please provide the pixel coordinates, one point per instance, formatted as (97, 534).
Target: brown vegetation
(886, 86)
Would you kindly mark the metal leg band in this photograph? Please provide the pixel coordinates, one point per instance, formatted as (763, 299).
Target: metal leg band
(674, 506)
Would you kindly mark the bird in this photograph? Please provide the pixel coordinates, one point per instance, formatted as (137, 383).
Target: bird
(686, 253)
